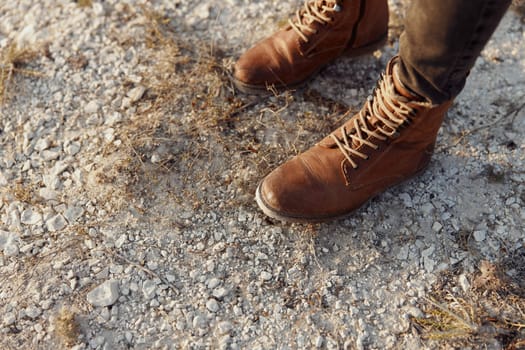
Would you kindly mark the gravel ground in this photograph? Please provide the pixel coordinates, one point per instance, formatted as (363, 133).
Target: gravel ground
(111, 243)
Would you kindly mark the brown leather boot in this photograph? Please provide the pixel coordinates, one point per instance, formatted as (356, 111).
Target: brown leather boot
(320, 32)
(390, 140)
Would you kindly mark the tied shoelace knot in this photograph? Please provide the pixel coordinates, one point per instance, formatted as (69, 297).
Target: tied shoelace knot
(380, 118)
(314, 11)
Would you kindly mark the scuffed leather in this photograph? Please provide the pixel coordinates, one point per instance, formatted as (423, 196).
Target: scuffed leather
(321, 184)
(284, 59)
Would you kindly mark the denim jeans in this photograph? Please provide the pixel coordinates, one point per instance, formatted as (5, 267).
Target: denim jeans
(441, 42)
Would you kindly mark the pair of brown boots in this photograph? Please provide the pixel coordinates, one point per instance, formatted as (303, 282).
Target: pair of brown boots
(390, 140)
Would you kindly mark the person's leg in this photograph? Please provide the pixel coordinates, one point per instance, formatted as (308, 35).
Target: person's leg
(441, 42)
(319, 32)
(392, 138)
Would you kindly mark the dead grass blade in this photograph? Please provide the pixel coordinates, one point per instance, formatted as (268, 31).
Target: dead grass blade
(12, 61)
(491, 310)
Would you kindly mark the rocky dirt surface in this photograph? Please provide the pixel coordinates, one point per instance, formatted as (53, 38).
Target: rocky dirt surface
(128, 165)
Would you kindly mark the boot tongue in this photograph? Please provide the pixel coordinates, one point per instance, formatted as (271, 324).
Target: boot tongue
(396, 87)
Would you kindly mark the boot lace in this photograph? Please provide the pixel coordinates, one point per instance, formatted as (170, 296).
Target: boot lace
(381, 117)
(314, 11)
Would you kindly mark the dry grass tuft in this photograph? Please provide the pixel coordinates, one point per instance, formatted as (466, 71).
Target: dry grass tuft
(187, 111)
(67, 328)
(24, 193)
(84, 3)
(190, 135)
(491, 311)
(12, 62)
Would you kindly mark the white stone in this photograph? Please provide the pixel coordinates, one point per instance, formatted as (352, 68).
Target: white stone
(59, 168)
(149, 288)
(464, 283)
(155, 158)
(104, 313)
(319, 341)
(42, 144)
(56, 223)
(220, 292)
(428, 264)
(51, 154)
(33, 312)
(510, 200)
(436, 227)
(92, 107)
(97, 342)
(121, 240)
(414, 311)
(199, 322)
(129, 336)
(427, 208)
(73, 213)
(46, 304)
(9, 318)
(266, 276)
(136, 93)
(212, 305)
(171, 278)
(3, 179)
(11, 249)
(105, 294)
(5, 238)
(113, 118)
(51, 181)
(199, 13)
(73, 148)
(26, 37)
(403, 253)
(224, 327)
(213, 282)
(407, 200)
(480, 235)
(109, 134)
(31, 217)
(152, 265)
(427, 252)
(47, 193)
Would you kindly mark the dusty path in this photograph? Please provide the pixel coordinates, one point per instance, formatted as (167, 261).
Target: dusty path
(127, 171)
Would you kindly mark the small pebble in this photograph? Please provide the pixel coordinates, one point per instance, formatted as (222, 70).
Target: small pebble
(149, 288)
(212, 305)
(136, 93)
(105, 294)
(56, 223)
(436, 227)
(224, 327)
(91, 107)
(220, 292)
(30, 217)
(479, 236)
(266, 276)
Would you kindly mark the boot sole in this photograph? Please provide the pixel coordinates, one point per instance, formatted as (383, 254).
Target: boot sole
(267, 89)
(319, 219)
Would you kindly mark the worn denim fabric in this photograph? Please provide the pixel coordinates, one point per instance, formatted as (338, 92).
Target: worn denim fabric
(441, 42)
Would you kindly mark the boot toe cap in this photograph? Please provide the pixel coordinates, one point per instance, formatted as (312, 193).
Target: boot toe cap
(252, 71)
